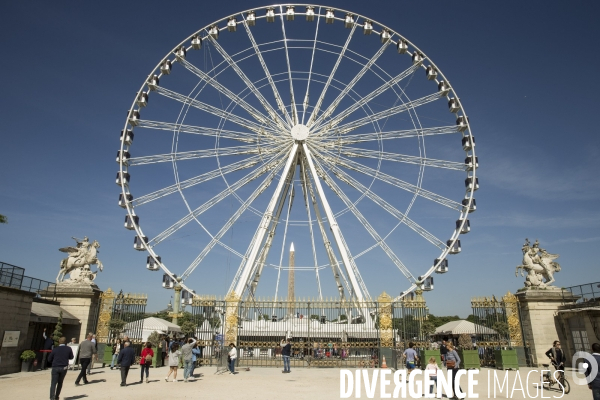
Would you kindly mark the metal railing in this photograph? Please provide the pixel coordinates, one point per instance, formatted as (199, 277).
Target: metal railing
(13, 277)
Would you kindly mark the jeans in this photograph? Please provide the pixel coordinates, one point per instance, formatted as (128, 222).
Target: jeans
(193, 368)
(187, 368)
(58, 376)
(85, 362)
(455, 385)
(124, 372)
(114, 360)
(596, 393)
(286, 363)
(433, 380)
(232, 365)
(144, 367)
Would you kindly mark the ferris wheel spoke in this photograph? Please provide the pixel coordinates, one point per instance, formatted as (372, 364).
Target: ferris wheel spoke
(428, 162)
(200, 130)
(349, 87)
(257, 115)
(365, 99)
(272, 163)
(369, 228)
(310, 70)
(216, 239)
(333, 141)
(352, 165)
(236, 166)
(359, 289)
(342, 129)
(248, 264)
(346, 178)
(319, 103)
(289, 67)
(267, 106)
(195, 154)
(227, 115)
(265, 68)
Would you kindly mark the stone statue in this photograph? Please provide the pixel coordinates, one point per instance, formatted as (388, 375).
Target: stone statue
(539, 265)
(78, 263)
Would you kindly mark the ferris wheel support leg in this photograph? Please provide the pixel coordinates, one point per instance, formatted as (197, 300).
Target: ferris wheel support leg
(308, 190)
(274, 223)
(335, 229)
(242, 283)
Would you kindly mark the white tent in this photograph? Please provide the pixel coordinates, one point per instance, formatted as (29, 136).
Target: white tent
(152, 324)
(462, 326)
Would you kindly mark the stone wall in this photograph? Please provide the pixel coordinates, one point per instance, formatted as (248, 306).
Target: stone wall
(15, 309)
(82, 301)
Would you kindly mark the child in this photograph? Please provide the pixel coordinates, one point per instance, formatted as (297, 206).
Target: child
(431, 369)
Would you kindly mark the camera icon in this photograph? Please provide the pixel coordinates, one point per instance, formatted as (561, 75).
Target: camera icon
(582, 366)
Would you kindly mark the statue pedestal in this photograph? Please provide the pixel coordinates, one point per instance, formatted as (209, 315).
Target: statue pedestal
(538, 309)
(81, 300)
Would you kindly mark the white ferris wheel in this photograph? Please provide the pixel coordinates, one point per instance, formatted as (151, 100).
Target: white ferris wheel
(305, 106)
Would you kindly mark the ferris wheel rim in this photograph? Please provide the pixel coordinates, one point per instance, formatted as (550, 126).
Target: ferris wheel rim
(469, 195)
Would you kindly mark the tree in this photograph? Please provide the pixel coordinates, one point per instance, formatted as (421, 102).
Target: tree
(116, 326)
(427, 328)
(214, 322)
(3, 219)
(188, 328)
(57, 334)
(501, 328)
(465, 342)
(154, 338)
(474, 319)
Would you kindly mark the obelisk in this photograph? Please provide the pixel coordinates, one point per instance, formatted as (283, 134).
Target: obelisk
(291, 305)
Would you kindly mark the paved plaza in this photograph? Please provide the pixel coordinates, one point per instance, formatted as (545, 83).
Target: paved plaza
(258, 383)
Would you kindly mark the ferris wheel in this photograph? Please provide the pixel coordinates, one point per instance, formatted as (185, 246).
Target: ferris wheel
(306, 106)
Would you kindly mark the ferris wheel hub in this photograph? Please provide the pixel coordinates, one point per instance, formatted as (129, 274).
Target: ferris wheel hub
(300, 132)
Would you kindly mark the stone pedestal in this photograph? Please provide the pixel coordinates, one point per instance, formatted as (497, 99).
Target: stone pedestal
(538, 310)
(81, 300)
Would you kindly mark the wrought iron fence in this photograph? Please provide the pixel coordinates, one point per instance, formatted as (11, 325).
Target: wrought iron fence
(581, 296)
(497, 326)
(323, 333)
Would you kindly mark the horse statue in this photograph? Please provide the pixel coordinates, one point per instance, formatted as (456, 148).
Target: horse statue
(539, 265)
(77, 264)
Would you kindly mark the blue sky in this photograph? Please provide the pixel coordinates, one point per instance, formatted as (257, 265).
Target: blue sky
(523, 72)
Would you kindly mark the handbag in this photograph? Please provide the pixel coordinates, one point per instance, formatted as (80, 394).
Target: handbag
(148, 358)
(450, 364)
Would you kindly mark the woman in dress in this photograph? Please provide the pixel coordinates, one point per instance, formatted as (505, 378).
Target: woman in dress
(174, 355)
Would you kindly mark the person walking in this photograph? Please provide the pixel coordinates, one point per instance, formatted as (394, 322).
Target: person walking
(126, 360)
(286, 351)
(411, 357)
(443, 351)
(594, 384)
(86, 351)
(146, 361)
(231, 357)
(187, 355)
(431, 369)
(174, 354)
(48, 345)
(59, 357)
(196, 352)
(94, 356)
(73, 342)
(116, 349)
(164, 348)
(453, 364)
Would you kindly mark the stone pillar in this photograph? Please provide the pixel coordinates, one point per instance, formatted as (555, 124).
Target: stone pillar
(538, 310)
(232, 302)
(81, 300)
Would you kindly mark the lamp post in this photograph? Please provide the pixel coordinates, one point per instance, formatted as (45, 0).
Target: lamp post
(177, 302)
